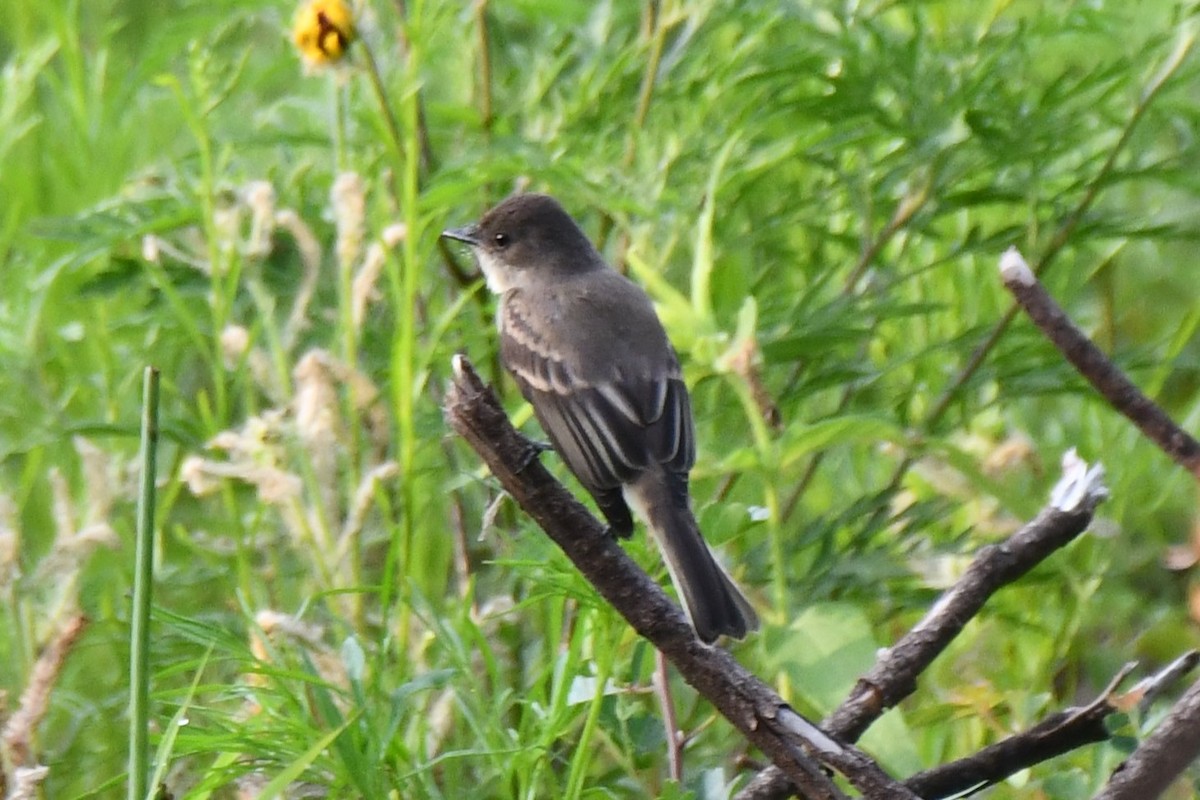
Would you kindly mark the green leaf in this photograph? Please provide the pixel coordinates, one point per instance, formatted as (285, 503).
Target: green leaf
(292, 772)
(801, 440)
(822, 653)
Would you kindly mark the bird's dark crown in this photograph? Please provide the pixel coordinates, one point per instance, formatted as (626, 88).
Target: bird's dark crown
(534, 230)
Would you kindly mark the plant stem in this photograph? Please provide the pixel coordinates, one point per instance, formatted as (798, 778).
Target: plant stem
(139, 650)
(389, 119)
(405, 278)
(603, 659)
(658, 35)
(485, 67)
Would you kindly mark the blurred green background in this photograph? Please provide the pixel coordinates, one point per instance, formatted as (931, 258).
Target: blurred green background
(815, 194)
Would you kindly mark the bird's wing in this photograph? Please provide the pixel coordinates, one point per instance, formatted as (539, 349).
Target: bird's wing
(609, 424)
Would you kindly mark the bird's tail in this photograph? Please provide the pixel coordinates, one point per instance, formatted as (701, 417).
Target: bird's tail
(712, 601)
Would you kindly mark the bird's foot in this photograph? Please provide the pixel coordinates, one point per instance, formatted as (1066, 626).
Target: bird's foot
(533, 449)
(614, 532)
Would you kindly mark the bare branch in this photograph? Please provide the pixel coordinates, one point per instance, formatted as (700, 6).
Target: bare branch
(1094, 365)
(790, 741)
(1057, 734)
(1150, 689)
(1160, 759)
(894, 675)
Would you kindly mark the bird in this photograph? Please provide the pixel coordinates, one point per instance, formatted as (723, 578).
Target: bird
(588, 351)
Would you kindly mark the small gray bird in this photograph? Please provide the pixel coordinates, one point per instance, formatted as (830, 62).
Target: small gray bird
(590, 355)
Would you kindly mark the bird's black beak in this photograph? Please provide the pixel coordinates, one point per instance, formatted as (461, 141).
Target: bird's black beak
(467, 233)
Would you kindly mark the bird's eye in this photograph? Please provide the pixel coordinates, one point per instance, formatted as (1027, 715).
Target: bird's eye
(501, 239)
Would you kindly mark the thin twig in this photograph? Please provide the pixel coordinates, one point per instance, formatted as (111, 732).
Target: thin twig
(662, 688)
(1093, 364)
(427, 162)
(912, 202)
(814, 463)
(908, 207)
(1150, 689)
(389, 117)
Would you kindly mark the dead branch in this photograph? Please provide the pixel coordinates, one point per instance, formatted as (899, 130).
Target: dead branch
(894, 675)
(1093, 364)
(792, 743)
(1059, 733)
(1163, 756)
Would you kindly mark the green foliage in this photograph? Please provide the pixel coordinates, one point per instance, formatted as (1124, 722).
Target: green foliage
(816, 195)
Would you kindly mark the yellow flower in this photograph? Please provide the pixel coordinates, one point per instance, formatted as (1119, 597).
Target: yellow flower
(323, 30)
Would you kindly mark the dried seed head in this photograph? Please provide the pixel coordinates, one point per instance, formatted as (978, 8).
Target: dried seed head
(260, 199)
(362, 289)
(235, 340)
(394, 234)
(349, 198)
